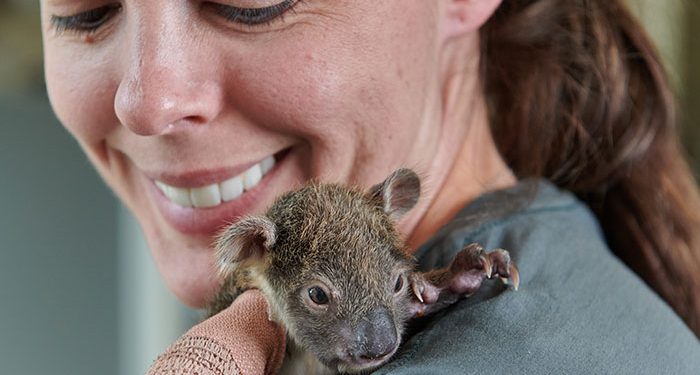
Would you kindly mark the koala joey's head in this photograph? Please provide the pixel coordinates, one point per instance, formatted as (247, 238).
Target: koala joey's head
(333, 268)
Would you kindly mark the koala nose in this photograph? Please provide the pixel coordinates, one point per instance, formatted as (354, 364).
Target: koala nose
(376, 334)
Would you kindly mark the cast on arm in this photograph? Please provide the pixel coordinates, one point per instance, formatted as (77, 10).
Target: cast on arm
(240, 340)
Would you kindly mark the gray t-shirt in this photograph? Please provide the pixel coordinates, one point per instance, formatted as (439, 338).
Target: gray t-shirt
(579, 310)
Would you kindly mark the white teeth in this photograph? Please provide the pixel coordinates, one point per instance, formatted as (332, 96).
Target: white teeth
(207, 196)
(212, 195)
(252, 176)
(231, 189)
(267, 164)
(163, 187)
(180, 196)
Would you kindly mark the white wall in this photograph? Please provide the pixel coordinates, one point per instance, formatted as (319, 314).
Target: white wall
(58, 260)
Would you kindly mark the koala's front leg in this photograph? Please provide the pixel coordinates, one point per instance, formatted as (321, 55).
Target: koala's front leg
(437, 289)
(233, 286)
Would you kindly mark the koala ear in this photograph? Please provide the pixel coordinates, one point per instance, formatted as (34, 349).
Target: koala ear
(398, 193)
(246, 241)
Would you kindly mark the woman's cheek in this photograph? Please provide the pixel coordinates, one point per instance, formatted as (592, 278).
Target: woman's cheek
(322, 96)
(302, 91)
(81, 94)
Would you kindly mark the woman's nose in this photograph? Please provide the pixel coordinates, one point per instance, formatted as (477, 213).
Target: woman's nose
(165, 82)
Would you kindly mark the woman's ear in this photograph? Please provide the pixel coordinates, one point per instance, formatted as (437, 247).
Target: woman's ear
(464, 16)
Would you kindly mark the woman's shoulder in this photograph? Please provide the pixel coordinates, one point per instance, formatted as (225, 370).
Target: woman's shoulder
(578, 309)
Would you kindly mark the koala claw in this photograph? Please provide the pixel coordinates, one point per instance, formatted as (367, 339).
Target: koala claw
(496, 263)
(488, 266)
(418, 291)
(436, 289)
(504, 268)
(514, 277)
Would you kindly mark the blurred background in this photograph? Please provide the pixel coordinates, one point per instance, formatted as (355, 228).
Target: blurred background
(78, 291)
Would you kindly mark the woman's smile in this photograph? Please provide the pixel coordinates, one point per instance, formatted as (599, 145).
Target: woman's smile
(214, 194)
(200, 202)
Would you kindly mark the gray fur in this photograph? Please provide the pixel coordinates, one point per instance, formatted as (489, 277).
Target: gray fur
(343, 241)
(330, 235)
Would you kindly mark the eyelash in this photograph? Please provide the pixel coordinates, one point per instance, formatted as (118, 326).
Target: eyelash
(85, 22)
(90, 21)
(254, 16)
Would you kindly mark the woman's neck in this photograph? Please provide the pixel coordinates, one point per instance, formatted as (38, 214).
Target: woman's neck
(477, 168)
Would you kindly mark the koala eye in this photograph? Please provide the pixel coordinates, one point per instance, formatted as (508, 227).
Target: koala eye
(318, 296)
(399, 284)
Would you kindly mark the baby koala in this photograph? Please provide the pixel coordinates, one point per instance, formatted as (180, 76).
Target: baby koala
(337, 276)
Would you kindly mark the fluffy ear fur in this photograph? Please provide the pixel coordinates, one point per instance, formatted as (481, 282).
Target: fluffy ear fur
(247, 240)
(398, 193)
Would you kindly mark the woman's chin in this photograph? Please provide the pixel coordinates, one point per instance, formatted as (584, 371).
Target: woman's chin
(194, 281)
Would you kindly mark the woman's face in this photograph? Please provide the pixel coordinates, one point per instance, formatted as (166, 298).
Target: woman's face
(182, 106)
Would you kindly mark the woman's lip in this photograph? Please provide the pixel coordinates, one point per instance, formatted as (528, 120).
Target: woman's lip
(193, 179)
(208, 221)
(197, 178)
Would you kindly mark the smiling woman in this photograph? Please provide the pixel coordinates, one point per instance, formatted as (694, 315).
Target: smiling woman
(199, 113)
(167, 109)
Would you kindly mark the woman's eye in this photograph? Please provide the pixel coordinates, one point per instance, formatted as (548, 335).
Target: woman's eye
(87, 21)
(253, 16)
(318, 296)
(399, 284)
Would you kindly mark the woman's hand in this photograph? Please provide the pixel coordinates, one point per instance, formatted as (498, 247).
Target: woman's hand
(238, 340)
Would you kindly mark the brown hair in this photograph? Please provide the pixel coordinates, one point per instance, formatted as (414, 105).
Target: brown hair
(583, 100)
